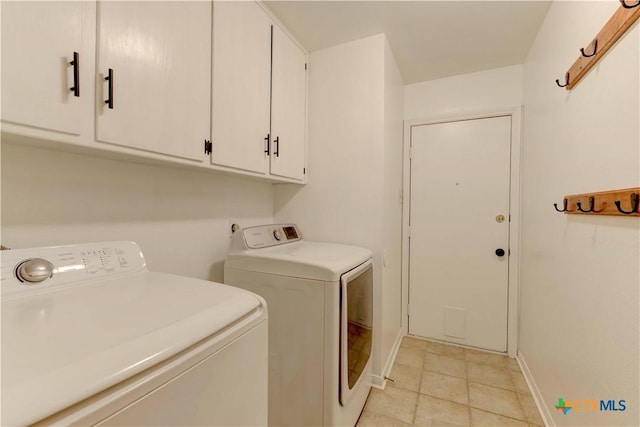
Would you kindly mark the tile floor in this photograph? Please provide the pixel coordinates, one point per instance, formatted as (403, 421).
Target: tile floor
(443, 385)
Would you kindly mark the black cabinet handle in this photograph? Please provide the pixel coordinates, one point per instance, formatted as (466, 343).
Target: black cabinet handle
(76, 74)
(500, 252)
(268, 139)
(276, 151)
(109, 78)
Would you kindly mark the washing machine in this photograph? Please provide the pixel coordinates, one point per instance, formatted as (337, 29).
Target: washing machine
(320, 300)
(91, 337)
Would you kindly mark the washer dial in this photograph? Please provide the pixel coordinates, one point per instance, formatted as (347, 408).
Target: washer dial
(34, 270)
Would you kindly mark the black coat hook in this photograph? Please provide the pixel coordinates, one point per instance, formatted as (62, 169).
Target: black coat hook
(594, 43)
(626, 6)
(564, 208)
(591, 205)
(634, 205)
(566, 80)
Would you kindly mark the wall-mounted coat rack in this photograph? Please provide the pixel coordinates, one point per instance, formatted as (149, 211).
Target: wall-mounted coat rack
(624, 202)
(618, 24)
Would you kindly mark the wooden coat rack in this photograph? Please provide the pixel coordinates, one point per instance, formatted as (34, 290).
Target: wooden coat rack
(624, 202)
(626, 15)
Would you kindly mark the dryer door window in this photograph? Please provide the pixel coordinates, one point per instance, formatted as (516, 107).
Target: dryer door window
(356, 320)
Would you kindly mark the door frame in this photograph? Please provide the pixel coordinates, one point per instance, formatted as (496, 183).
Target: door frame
(514, 209)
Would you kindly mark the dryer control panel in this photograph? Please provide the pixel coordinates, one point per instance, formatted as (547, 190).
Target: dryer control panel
(264, 236)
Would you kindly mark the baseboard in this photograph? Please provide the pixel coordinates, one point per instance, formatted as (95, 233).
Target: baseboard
(535, 392)
(379, 381)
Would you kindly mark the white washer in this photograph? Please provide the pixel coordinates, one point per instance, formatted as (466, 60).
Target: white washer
(91, 337)
(320, 303)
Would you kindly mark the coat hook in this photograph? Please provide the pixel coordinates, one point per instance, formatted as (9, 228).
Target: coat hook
(591, 206)
(594, 43)
(566, 79)
(564, 209)
(626, 6)
(634, 205)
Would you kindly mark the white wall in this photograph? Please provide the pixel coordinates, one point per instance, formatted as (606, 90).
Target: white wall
(345, 123)
(390, 298)
(354, 93)
(579, 332)
(180, 218)
(465, 94)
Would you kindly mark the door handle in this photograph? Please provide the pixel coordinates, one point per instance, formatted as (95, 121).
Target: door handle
(76, 74)
(109, 78)
(500, 252)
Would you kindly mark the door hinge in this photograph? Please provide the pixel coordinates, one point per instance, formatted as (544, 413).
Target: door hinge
(509, 217)
(304, 171)
(305, 65)
(409, 231)
(509, 252)
(208, 146)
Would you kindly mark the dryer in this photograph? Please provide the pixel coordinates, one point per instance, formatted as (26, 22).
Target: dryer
(320, 299)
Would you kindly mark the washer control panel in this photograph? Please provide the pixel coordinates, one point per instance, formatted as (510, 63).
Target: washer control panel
(264, 236)
(36, 269)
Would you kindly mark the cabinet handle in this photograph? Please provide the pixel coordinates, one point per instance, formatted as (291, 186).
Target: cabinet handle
(268, 139)
(76, 74)
(109, 78)
(276, 150)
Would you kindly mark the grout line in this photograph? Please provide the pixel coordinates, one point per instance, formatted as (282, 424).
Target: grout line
(466, 371)
(415, 412)
(504, 416)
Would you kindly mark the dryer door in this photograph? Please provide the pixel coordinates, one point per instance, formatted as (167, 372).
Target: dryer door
(356, 321)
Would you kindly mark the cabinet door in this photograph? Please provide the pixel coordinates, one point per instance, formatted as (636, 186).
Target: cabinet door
(160, 57)
(38, 43)
(241, 85)
(288, 107)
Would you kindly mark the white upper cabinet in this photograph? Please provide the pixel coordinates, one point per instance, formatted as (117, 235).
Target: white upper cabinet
(259, 93)
(153, 76)
(241, 86)
(288, 107)
(38, 68)
(217, 85)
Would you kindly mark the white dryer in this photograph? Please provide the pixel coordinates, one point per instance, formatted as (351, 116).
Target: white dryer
(320, 301)
(91, 337)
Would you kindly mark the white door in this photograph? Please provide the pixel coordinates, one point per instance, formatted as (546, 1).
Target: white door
(288, 107)
(459, 223)
(241, 86)
(160, 57)
(38, 44)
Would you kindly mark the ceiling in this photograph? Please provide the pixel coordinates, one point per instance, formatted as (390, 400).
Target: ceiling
(429, 39)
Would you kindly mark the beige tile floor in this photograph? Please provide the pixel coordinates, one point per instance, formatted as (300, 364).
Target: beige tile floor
(443, 385)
